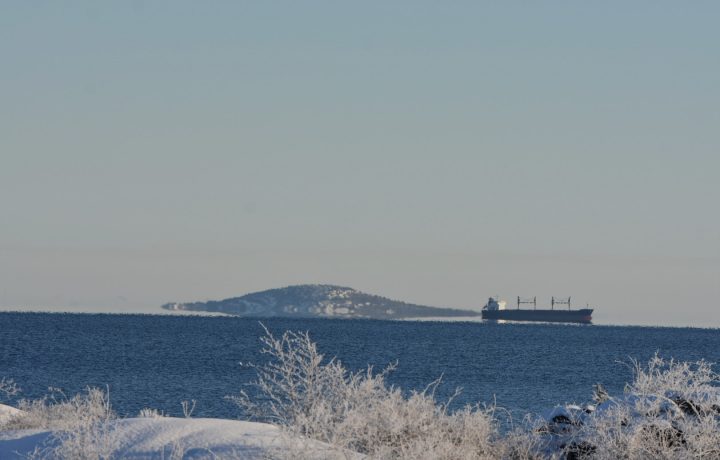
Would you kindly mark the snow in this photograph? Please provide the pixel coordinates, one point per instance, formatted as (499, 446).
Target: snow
(187, 438)
(7, 412)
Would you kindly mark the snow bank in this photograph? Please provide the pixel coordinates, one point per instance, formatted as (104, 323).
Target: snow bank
(186, 438)
(7, 412)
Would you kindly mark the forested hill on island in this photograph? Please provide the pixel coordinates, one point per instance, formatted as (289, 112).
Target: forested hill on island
(318, 301)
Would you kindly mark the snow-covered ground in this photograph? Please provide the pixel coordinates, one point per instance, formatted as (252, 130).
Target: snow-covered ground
(185, 438)
(6, 413)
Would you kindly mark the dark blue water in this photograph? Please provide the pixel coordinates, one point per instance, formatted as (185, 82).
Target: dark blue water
(158, 361)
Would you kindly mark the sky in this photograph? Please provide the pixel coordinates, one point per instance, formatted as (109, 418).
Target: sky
(431, 152)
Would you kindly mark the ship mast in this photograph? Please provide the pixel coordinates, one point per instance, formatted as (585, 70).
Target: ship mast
(560, 301)
(527, 301)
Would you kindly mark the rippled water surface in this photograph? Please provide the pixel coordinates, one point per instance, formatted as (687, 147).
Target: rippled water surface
(158, 361)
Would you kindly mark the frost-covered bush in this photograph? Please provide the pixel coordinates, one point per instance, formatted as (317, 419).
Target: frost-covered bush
(670, 410)
(150, 413)
(8, 387)
(80, 425)
(57, 411)
(358, 411)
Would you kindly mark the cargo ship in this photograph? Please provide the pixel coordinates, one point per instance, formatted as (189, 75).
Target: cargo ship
(495, 310)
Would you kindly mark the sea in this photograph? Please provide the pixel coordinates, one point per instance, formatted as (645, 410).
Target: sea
(157, 361)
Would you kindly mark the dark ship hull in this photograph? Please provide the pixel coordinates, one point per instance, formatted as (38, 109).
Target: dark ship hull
(553, 316)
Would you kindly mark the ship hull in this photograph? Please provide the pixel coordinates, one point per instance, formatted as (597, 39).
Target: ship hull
(553, 316)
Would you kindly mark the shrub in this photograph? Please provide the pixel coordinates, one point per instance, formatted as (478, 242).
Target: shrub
(150, 413)
(358, 411)
(8, 387)
(80, 425)
(670, 410)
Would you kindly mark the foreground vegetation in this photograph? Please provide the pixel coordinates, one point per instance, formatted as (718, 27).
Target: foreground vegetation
(670, 410)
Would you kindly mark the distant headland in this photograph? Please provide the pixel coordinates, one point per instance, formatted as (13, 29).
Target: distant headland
(318, 301)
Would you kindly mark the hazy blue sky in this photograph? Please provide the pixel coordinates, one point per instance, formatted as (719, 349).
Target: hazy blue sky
(433, 152)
